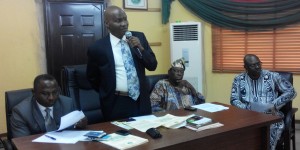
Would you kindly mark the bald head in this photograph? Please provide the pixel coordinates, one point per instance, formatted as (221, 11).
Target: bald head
(111, 10)
(116, 21)
(249, 58)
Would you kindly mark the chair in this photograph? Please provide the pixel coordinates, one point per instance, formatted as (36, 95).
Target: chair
(12, 98)
(153, 79)
(289, 120)
(75, 85)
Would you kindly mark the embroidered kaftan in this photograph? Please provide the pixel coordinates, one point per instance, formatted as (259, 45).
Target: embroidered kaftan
(167, 97)
(265, 89)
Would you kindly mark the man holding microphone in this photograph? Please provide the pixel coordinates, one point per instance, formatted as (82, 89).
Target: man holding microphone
(116, 68)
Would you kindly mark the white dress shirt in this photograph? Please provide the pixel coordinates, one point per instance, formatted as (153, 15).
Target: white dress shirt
(121, 77)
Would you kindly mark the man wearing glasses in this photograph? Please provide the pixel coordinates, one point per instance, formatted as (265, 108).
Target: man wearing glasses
(258, 90)
(174, 92)
(41, 112)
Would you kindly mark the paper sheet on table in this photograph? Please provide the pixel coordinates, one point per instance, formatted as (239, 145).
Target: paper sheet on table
(124, 142)
(210, 107)
(139, 118)
(205, 127)
(66, 136)
(146, 117)
(143, 125)
(70, 119)
(169, 121)
(173, 122)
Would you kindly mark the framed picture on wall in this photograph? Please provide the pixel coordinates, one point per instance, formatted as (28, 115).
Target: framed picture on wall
(135, 4)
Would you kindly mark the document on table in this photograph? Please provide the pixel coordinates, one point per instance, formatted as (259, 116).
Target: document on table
(66, 136)
(210, 107)
(139, 119)
(124, 142)
(173, 122)
(169, 121)
(205, 127)
(70, 119)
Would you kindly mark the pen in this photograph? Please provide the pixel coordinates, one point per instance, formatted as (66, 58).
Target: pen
(50, 137)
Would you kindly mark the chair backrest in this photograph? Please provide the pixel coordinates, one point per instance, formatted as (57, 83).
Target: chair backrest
(12, 98)
(153, 79)
(75, 85)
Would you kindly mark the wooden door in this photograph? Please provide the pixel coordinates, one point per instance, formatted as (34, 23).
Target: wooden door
(71, 26)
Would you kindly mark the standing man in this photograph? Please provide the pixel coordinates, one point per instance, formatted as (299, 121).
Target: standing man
(258, 90)
(116, 68)
(42, 112)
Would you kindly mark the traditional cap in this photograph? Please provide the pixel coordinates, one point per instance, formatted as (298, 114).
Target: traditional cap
(179, 63)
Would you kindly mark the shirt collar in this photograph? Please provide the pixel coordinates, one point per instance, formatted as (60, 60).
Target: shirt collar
(42, 108)
(114, 40)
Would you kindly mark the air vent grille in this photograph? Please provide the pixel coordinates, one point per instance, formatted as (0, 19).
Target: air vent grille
(185, 32)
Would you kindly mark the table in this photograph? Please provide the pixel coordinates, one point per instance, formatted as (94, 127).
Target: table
(243, 129)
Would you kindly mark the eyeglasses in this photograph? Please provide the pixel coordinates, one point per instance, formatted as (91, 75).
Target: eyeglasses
(258, 64)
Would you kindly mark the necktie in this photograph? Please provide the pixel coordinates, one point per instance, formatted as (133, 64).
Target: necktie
(132, 78)
(49, 122)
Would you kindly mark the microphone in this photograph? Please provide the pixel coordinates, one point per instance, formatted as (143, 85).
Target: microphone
(128, 35)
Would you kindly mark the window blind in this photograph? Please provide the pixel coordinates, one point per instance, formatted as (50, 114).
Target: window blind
(278, 49)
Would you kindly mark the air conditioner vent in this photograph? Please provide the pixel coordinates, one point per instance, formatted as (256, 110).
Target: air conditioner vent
(185, 32)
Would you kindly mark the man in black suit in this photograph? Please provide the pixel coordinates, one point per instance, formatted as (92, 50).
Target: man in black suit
(107, 72)
(29, 116)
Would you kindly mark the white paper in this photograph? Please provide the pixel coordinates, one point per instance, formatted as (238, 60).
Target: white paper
(210, 107)
(66, 136)
(143, 125)
(124, 142)
(70, 119)
(205, 127)
(122, 125)
(169, 121)
(139, 118)
(146, 117)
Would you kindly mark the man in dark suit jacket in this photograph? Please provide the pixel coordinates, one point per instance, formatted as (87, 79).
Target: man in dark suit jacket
(106, 73)
(28, 117)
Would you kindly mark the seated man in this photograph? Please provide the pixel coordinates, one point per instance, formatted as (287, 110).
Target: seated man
(42, 112)
(174, 93)
(258, 90)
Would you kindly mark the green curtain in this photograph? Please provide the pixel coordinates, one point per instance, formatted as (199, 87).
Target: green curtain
(246, 14)
(166, 6)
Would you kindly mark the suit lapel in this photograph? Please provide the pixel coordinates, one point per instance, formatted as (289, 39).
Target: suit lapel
(57, 112)
(37, 115)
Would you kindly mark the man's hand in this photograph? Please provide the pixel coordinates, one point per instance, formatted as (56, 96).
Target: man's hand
(262, 107)
(184, 83)
(135, 42)
(81, 124)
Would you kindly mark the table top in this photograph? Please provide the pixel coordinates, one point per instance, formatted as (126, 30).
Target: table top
(233, 119)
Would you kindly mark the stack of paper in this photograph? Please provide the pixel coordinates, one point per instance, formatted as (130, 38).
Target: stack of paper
(197, 121)
(169, 121)
(210, 107)
(205, 127)
(124, 142)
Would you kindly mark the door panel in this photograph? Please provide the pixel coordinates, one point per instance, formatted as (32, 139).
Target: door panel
(70, 28)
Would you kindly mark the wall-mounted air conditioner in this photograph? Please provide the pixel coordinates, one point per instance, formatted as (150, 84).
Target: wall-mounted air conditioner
(186, 41)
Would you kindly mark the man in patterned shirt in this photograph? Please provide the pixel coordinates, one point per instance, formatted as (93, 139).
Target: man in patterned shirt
(258, 90)
(174, 93)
